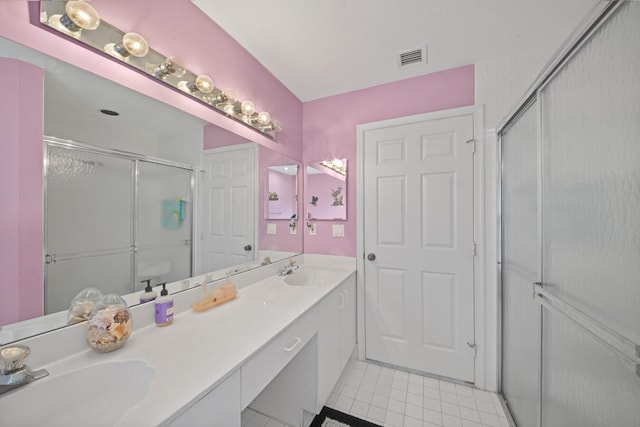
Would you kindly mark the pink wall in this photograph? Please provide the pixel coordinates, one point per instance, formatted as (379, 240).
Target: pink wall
(21, 125)
(329, 131)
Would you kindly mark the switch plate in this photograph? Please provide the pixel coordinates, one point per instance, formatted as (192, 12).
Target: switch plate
(312, 230)
(338, 230)
(271, 228)
(293, 230)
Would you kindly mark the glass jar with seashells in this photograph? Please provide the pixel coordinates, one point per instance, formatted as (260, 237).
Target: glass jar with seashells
(109, 325)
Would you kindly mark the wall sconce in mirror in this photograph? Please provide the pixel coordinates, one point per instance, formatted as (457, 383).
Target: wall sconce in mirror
(202, 83)
(77, 16)
(71, 18)
(170, 66)
(326, 186)
(131, 44)
(282, 193)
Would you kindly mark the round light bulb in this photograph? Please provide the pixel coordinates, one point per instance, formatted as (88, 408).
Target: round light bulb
(204, 84)
(264, 118)
(277, 125)
(248, 108)
(230, 95)
(82, 15)
(135, 44)
(229, 109)
(171, 65)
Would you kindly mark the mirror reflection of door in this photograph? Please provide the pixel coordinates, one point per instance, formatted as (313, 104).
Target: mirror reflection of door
(228, 207)
(327, 190)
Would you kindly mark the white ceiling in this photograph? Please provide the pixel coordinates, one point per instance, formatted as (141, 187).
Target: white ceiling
(328, 47)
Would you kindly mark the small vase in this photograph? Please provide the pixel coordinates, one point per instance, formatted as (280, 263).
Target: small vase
(109, 325)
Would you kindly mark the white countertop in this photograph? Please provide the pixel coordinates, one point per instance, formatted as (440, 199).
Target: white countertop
(199, 350)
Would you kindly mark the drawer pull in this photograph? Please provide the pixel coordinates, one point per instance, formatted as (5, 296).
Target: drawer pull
(298, 341)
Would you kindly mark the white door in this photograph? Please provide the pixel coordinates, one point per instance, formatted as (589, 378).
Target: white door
(418, 210)
(228, 208)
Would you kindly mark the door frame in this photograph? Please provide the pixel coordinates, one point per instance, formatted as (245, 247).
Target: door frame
(480, 363)
(199, 188)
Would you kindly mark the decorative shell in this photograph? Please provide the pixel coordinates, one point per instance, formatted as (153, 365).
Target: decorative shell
(110, 324)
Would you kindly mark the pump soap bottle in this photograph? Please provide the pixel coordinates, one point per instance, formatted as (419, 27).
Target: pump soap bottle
(149, 294)
(164, 307)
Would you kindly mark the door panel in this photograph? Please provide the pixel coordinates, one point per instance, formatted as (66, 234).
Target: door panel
(418, 184)
(230, 209)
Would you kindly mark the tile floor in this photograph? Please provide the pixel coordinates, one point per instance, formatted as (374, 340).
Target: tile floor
(393, 398)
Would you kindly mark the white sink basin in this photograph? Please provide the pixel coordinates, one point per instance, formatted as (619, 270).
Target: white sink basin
(305, 276)
(98, 395)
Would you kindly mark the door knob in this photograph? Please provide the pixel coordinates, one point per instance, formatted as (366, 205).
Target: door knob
(371, 257)
(248, 248)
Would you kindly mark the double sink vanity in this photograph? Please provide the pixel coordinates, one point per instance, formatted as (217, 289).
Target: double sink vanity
(279, 347)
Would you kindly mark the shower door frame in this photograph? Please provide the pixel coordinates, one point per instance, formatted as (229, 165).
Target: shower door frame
(598, 16)
(135, 158)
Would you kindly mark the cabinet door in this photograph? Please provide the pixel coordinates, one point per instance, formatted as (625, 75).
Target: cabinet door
(329, 345)
(219, 408)
(348, 328)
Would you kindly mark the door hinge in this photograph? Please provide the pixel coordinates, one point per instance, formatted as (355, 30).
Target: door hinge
(474, 346)
(473, 145)
(50, 259)
(473, 249)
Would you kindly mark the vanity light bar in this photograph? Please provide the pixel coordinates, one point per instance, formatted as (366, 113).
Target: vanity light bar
(132, 49)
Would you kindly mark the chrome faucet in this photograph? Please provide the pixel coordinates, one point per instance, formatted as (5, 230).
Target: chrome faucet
(289, 268)
(13, 372)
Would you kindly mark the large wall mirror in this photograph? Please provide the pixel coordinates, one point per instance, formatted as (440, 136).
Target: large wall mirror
(326, 190)
(123, 197)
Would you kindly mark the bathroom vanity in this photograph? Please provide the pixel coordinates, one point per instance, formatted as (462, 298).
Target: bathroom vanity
(279, 347)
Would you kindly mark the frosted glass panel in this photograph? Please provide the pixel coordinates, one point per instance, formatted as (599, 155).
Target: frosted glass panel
(163, 264)
(591, 201)
(164, 204)
(88, 201)
(520, 268)
(584, 384)
(109, 273)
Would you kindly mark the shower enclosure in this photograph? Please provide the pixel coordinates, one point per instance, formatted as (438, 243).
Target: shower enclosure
(570, 233)
(113, 219)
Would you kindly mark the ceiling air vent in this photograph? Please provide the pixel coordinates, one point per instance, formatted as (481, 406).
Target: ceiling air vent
(411, 57)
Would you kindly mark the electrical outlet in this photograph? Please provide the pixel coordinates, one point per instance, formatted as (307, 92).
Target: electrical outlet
(338, 230)
(312, 230)
(271, 228)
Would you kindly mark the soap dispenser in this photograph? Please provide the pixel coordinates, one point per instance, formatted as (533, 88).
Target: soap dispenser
(149, 294)
(164, 307)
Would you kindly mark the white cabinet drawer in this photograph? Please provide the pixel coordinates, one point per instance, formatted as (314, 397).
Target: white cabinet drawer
(258, 372)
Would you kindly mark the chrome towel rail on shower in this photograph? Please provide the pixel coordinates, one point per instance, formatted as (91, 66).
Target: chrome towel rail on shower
(626, 350)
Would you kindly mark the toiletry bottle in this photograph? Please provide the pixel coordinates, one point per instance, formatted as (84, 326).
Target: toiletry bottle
(149, 294)
(164, 307)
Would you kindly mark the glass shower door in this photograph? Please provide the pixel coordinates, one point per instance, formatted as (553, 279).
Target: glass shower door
(520, 269)
(164, 226)
(591, 227)
(88, 225)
